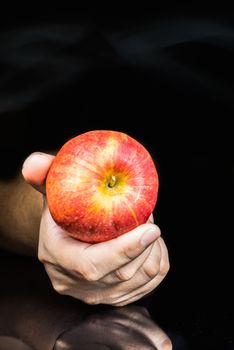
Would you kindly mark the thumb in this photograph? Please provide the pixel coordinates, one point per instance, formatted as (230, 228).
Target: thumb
(35, 169)
(113, 254)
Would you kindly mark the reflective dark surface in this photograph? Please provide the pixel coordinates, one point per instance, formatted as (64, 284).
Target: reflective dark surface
(167, 79)
(35, 315)
(129, 327)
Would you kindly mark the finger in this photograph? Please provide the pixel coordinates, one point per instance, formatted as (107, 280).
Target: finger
(127, 271)
(93, 261)
(61, 281)
(148, 277)
(151, 219)
(35, 169)
(165, 262)
(139, 294)
(108, 256)
(119, 292)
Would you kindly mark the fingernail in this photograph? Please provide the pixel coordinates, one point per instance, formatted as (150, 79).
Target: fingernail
(149, 236)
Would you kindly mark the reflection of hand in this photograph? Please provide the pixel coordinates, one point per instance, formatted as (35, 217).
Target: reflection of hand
(116, 272)
(129, 327)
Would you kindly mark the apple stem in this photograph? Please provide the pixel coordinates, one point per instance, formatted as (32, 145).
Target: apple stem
(112, 181)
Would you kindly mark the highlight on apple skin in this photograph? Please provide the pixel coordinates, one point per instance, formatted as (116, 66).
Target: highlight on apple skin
(101, 184)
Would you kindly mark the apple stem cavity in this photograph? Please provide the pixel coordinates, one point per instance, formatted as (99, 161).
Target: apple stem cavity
(112, 181)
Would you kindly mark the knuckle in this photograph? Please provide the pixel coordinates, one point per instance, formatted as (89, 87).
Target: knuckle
(42, 258)
(88, 272)
(165, 267)
(44, 255)
(151, 269)
(90, 300)
(127, 253)
(60, 288)
(123, 275)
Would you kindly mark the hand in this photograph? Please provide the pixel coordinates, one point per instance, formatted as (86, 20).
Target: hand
(116, 272)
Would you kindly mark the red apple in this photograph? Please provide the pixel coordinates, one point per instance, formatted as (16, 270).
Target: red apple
(101, 184)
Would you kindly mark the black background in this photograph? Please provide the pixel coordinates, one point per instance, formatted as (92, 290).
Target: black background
(166, 78)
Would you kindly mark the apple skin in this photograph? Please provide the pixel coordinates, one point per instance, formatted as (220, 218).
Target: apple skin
(100, 185)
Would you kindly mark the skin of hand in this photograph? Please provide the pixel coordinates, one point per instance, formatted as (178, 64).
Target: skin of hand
(116, 272)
